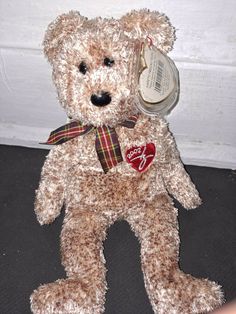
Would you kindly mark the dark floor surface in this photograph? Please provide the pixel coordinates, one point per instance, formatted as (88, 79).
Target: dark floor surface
(29, 253)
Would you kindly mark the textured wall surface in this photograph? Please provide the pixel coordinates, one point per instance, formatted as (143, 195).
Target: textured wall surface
(205, 53)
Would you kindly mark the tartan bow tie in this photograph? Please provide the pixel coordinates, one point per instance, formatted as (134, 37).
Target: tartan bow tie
(106, 142)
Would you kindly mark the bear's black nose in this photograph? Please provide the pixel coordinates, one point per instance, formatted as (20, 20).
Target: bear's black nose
(101, 99)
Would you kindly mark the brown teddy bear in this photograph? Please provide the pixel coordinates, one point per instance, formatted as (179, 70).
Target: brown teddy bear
(111, 163)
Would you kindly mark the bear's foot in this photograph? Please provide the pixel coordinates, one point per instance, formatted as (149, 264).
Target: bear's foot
(185, 294)
(67, 296)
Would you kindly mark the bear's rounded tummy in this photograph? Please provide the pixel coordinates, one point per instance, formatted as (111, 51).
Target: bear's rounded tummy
(111, 190)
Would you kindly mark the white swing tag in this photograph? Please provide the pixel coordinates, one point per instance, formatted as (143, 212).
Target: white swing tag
(158, 81)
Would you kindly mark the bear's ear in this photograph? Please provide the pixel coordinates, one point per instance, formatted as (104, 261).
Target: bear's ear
(143, 23)
(58, 30)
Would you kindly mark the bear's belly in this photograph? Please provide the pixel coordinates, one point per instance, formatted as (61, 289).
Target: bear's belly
(112, 190)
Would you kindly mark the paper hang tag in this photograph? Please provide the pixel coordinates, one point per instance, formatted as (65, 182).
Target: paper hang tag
(158, 81)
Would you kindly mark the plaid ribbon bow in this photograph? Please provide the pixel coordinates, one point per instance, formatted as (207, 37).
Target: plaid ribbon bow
(106, 142)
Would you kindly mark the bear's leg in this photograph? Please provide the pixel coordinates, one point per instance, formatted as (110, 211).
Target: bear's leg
(170, 290)
(82, 255)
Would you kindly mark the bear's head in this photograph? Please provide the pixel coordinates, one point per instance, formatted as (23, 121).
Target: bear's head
(93, 62)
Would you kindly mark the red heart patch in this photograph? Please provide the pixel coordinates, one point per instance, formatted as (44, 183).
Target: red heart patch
(140, 157)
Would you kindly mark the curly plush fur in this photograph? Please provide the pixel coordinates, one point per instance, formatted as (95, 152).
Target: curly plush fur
(72, 174)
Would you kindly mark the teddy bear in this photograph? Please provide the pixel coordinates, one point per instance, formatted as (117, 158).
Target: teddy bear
(112, 162)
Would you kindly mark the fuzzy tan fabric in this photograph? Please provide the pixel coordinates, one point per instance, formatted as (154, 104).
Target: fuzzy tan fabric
(72, 174)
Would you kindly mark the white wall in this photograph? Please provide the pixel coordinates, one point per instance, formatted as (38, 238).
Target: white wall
(205, 52)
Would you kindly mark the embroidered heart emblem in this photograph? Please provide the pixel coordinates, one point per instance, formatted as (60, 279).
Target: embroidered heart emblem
(140, 157)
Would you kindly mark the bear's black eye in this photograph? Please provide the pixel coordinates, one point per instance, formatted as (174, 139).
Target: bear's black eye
(108, 62)
(83, 67)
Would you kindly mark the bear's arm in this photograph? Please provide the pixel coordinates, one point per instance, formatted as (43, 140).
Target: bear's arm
(176, 179)
(50, 194)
